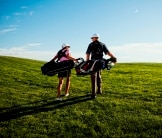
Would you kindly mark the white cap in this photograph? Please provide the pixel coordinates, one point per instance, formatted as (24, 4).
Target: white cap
(65, 45)
(95, 35)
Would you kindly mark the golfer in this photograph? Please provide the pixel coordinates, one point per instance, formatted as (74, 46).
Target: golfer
(95, 51)
(62, 55)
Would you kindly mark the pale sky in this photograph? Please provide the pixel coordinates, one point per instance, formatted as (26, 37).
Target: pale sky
(36, 29)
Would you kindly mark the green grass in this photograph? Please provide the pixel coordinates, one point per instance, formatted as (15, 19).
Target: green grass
(130, 106)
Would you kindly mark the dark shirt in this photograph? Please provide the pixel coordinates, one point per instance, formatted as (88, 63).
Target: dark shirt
(96, 49)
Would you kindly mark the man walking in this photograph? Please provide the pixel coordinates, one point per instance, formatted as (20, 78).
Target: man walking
(96, 50)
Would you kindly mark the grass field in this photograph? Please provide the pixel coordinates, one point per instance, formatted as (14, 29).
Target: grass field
(130, 106)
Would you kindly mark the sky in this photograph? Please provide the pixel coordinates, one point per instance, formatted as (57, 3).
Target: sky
(36, 29)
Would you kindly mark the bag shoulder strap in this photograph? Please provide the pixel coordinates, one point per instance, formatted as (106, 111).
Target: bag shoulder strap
(61, 54)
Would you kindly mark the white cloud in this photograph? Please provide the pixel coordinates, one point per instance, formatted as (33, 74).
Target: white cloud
(6, 17)
(23, 13)
(136, 11)
(26, 51)
(31, 13)
(19, 13)
(26, 47)
(12, 26)
(6, 30)
(24, 7)
(132, 52)
(20, 52)
(34, 44)
(138, 52)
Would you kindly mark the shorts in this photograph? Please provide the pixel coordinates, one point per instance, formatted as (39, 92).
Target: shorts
(64, 74)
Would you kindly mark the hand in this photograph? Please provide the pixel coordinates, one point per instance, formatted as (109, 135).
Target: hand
(76, 61)
(113, 59)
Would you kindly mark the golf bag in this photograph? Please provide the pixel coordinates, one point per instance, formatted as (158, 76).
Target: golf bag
(51, 68)
(91, 66)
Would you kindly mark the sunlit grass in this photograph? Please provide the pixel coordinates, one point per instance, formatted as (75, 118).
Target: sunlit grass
(130, 105)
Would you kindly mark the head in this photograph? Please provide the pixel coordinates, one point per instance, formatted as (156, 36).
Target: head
(95, 37)
(65, 46)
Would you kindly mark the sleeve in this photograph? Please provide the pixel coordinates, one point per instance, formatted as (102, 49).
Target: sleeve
(89, 49)
(105, 49)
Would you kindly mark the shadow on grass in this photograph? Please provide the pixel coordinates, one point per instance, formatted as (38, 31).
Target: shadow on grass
(7, 114)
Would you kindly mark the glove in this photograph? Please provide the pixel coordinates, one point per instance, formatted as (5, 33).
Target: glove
(113, 59)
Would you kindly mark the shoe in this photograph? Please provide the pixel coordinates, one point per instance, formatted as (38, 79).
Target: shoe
(67, 94)
(99, 92)
(93, 96)
(58, 99)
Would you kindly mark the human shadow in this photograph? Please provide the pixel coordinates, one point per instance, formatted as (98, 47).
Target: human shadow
(14, 112)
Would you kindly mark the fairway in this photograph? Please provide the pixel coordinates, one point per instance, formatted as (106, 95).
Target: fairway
(130, 106)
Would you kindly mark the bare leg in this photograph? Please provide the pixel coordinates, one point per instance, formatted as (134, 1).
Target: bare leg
(67, 85)
(59, 88)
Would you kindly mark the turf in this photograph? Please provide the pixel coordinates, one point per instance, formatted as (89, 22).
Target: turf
(130, 106)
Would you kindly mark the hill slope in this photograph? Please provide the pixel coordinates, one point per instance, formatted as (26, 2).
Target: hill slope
(130, 105)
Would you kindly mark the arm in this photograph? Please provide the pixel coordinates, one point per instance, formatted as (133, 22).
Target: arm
(107, 52)
(55, 57)
(70, 57)
(111, 55)
(88, 52)
(87, 56)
